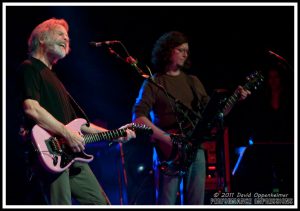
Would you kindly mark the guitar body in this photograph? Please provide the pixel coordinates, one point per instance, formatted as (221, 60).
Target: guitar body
(176, 157)
(54, 154)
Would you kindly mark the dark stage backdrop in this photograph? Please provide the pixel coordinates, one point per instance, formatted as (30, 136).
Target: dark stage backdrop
(226, 43)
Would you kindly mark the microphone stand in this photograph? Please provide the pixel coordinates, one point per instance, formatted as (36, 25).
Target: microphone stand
(130, 60)
(220, 151)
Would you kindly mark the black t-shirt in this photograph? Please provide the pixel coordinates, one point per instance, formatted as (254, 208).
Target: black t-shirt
(36, 81)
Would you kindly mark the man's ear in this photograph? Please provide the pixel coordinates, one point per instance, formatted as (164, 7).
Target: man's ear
(42, 38)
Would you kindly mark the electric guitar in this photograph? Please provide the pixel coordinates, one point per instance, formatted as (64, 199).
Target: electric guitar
(56, 156)
(177, 158)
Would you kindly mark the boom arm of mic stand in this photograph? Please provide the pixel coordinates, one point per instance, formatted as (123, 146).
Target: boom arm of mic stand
(141, 72)
(111, 51)
(134, 64)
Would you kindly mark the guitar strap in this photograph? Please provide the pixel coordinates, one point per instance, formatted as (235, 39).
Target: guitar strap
(196, 105)
(78, 108)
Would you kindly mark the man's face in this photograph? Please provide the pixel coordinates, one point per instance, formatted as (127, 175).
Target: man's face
(180, 54)
(57, 42)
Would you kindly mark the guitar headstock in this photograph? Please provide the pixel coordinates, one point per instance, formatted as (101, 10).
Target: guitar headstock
(254, 81)
(141, 128)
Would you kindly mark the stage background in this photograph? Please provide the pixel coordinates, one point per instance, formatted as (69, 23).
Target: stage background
(226, 44)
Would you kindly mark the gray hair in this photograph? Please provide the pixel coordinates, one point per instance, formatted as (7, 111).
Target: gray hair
(42, 30)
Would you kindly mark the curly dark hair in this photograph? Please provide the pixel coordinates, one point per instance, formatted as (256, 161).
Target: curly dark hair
(163, 47)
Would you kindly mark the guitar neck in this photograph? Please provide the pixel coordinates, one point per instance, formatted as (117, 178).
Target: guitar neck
(107, 135)
(233, 99)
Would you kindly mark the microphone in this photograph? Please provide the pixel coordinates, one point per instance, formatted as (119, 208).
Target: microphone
(281, 59)
(277, 56)
(104, 43)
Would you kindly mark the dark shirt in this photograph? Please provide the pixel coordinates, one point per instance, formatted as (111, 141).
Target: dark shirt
(37, 82)
(153, 98)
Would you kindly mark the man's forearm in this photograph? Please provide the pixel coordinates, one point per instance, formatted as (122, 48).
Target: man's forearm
(43, 118)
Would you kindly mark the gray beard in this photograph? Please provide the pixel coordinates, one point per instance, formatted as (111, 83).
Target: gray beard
(55, 50)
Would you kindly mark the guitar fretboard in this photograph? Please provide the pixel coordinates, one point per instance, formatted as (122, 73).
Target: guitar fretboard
(107, 135)
(254, 81)
(114, 134)
(231, 101)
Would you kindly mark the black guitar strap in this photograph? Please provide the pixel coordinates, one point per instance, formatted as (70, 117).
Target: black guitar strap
(196, 104)
(78, 108)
